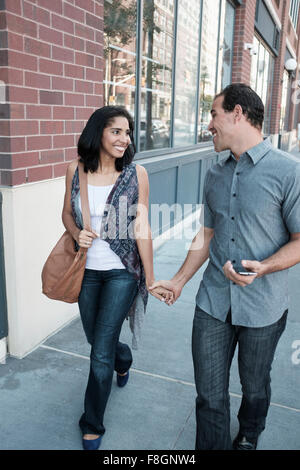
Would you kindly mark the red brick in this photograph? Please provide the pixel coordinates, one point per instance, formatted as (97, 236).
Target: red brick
(23, 95)
(59, 83)
(15, 41)
(17, 111)
(63, 54)
(51, 67)
(93, 75)
(62, 24)
(17, 144)
(75, 71)
(52, 127)
(16, 58)
(74, 99)
(84, 59)
(75, 13)
(92, 100)
(50, 35)
(63, 112)
(33, 12)
(24, 160)
(83, 113)
(88, 5)
(24, 127)
(94, 21)
(60, 170)
(39, 48)
(53, 5)
(84, 32)
(51, 97)
(39, 142)
(74, 127)
(14, 6)
(63, 141)
(21, 25)
(38, 112)
(4, 128)
(71, 153)
(39, 173)
(12, 178)
(73, 42)
(82, 86)
(92, 48)
(37, 80)
(15, 77)
(52, 156)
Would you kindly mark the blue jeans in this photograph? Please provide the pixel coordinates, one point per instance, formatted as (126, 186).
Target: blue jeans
(104, 301)
(213, 346)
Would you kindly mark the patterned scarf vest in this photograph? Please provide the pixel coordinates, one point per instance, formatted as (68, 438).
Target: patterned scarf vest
(117, 230)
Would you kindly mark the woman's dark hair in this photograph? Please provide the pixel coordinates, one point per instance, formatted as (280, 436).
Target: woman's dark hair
(250, 102)
(89, 143)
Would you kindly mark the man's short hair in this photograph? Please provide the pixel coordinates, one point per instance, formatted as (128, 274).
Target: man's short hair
(250, 102)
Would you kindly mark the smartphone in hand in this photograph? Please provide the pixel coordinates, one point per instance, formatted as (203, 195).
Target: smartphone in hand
(243, 271)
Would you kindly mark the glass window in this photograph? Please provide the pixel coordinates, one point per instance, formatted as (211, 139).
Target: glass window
(294, 11)
(225, 45)
(261, 79)
(156, 85)
(186, 72)
(208, 65)
(120, 53)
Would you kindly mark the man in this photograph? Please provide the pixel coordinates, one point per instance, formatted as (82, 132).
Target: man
(251, 224)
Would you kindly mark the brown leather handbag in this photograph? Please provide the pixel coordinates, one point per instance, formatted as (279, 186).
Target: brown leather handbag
(63, 271)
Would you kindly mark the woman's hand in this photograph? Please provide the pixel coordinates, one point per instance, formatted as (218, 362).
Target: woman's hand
(85, 238)
(160, 293)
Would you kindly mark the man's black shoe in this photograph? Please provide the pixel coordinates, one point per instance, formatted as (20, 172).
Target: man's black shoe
(242, 443)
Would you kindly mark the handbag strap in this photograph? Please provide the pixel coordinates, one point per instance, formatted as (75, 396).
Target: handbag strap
(85, 208)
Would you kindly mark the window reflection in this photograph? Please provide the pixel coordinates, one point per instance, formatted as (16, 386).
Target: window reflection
(186, 72)
(156, 84)
(261, 79)
(120, 53)
(208, 65)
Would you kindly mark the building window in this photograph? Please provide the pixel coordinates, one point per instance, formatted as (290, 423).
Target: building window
(170, 95)
(186, 73)
(262, 69)
(120, 53)
(294, 11)
(156, 84)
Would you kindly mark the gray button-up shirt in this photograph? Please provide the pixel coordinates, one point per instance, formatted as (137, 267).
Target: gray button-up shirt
(253, 205)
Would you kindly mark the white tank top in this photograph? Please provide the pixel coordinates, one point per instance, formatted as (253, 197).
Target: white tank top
(100, 256)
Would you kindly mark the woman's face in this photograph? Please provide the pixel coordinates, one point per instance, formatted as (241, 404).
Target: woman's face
(116, 138)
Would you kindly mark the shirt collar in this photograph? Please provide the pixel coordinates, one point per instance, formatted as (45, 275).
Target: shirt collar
(255, 153)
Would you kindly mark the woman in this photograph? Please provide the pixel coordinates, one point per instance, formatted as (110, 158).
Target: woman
(119, 268)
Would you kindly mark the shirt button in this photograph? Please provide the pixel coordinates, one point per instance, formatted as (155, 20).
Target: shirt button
(232, 218)
(234, 194)
(232, 239)
(238, 173)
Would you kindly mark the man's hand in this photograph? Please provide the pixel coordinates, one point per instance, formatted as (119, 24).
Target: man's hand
(243, 281)
(168, 285)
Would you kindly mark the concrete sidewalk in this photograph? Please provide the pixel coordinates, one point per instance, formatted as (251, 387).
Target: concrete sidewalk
(42, 394)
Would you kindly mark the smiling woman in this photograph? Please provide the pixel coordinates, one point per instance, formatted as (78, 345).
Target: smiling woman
(119, 269)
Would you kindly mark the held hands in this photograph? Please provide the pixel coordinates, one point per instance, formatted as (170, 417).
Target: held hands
(166, 291)
(241, 280)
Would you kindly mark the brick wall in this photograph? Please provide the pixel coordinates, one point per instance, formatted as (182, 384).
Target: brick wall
(243, 33)
(51, 61)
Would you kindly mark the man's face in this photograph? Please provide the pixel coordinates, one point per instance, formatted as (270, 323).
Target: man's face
(221, 126)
